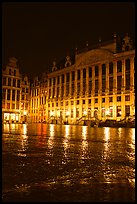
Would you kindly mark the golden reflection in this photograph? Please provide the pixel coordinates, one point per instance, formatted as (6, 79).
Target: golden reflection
(24, 129)
(66, 140)
(133, 135)
(84, 145)
(67, 130)
(51, 136)
(84, 132)
(52, 130)
(6, 128)
(106, 140)
(24, 142)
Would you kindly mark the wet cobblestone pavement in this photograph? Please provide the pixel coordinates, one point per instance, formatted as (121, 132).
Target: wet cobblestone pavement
(60, 163)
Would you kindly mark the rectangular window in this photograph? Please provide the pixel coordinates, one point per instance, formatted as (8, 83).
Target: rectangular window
(78, 88)
(54, 81)
(67, 77)
(83, 101)
(14, 82)
(57, 104)
(96, 86)
(13, 105)
(9, 81)
(103, 69)
(127, 64)
(110, 83)
(4, 81)
(23, 90)
(103, 85)
(110, 111)
(22, 97)
(127, 98)
(73, 75)
(90, 72)
(84, 73)
(96, 100)
(119, 82)
(14, 72)
(90, 87)
(77, 112)
(78, 74)
(103, 111)
(9, 71)
(18, 95)
(52, 104)
(8, 105)
(72, 102)
(89, 101)
(77, 102)
(103, 100)
(119, 66)
(118, 98)
(127, 110)
(18, 83)
(13, 95)
(111, 68)
(118, 111)
(17, 105)
(3, 94)
(62, 78)
(128, 81)
(72, 89)
(8, 94)
(96, 71)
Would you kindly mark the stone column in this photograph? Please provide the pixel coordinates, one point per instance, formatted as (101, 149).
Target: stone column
(70, 84)
(123, 75)
(93, 81)
(81, 82)
(76, 83)
(132, 74)
(107, 87)
(114, 89)
(64, 84)
(87, 80)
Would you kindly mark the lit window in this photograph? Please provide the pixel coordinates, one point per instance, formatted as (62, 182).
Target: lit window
(127, 98)
(96, 100)
(103, 100)
(118, 98)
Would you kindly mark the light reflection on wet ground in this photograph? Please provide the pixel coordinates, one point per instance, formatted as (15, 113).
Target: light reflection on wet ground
(59, 163)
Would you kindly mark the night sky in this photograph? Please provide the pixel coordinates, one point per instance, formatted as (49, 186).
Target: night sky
(39, 33)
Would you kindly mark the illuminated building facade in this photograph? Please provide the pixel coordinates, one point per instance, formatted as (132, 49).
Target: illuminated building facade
(37, 109)
(15, 93)
(98, 84)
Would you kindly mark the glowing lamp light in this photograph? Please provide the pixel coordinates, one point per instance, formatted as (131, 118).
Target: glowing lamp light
(25, 112)
(107, 112)
(52, 113)
(85, 112)
(67, 113)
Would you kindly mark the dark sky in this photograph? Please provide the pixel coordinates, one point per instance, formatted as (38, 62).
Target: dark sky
(38, 33)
